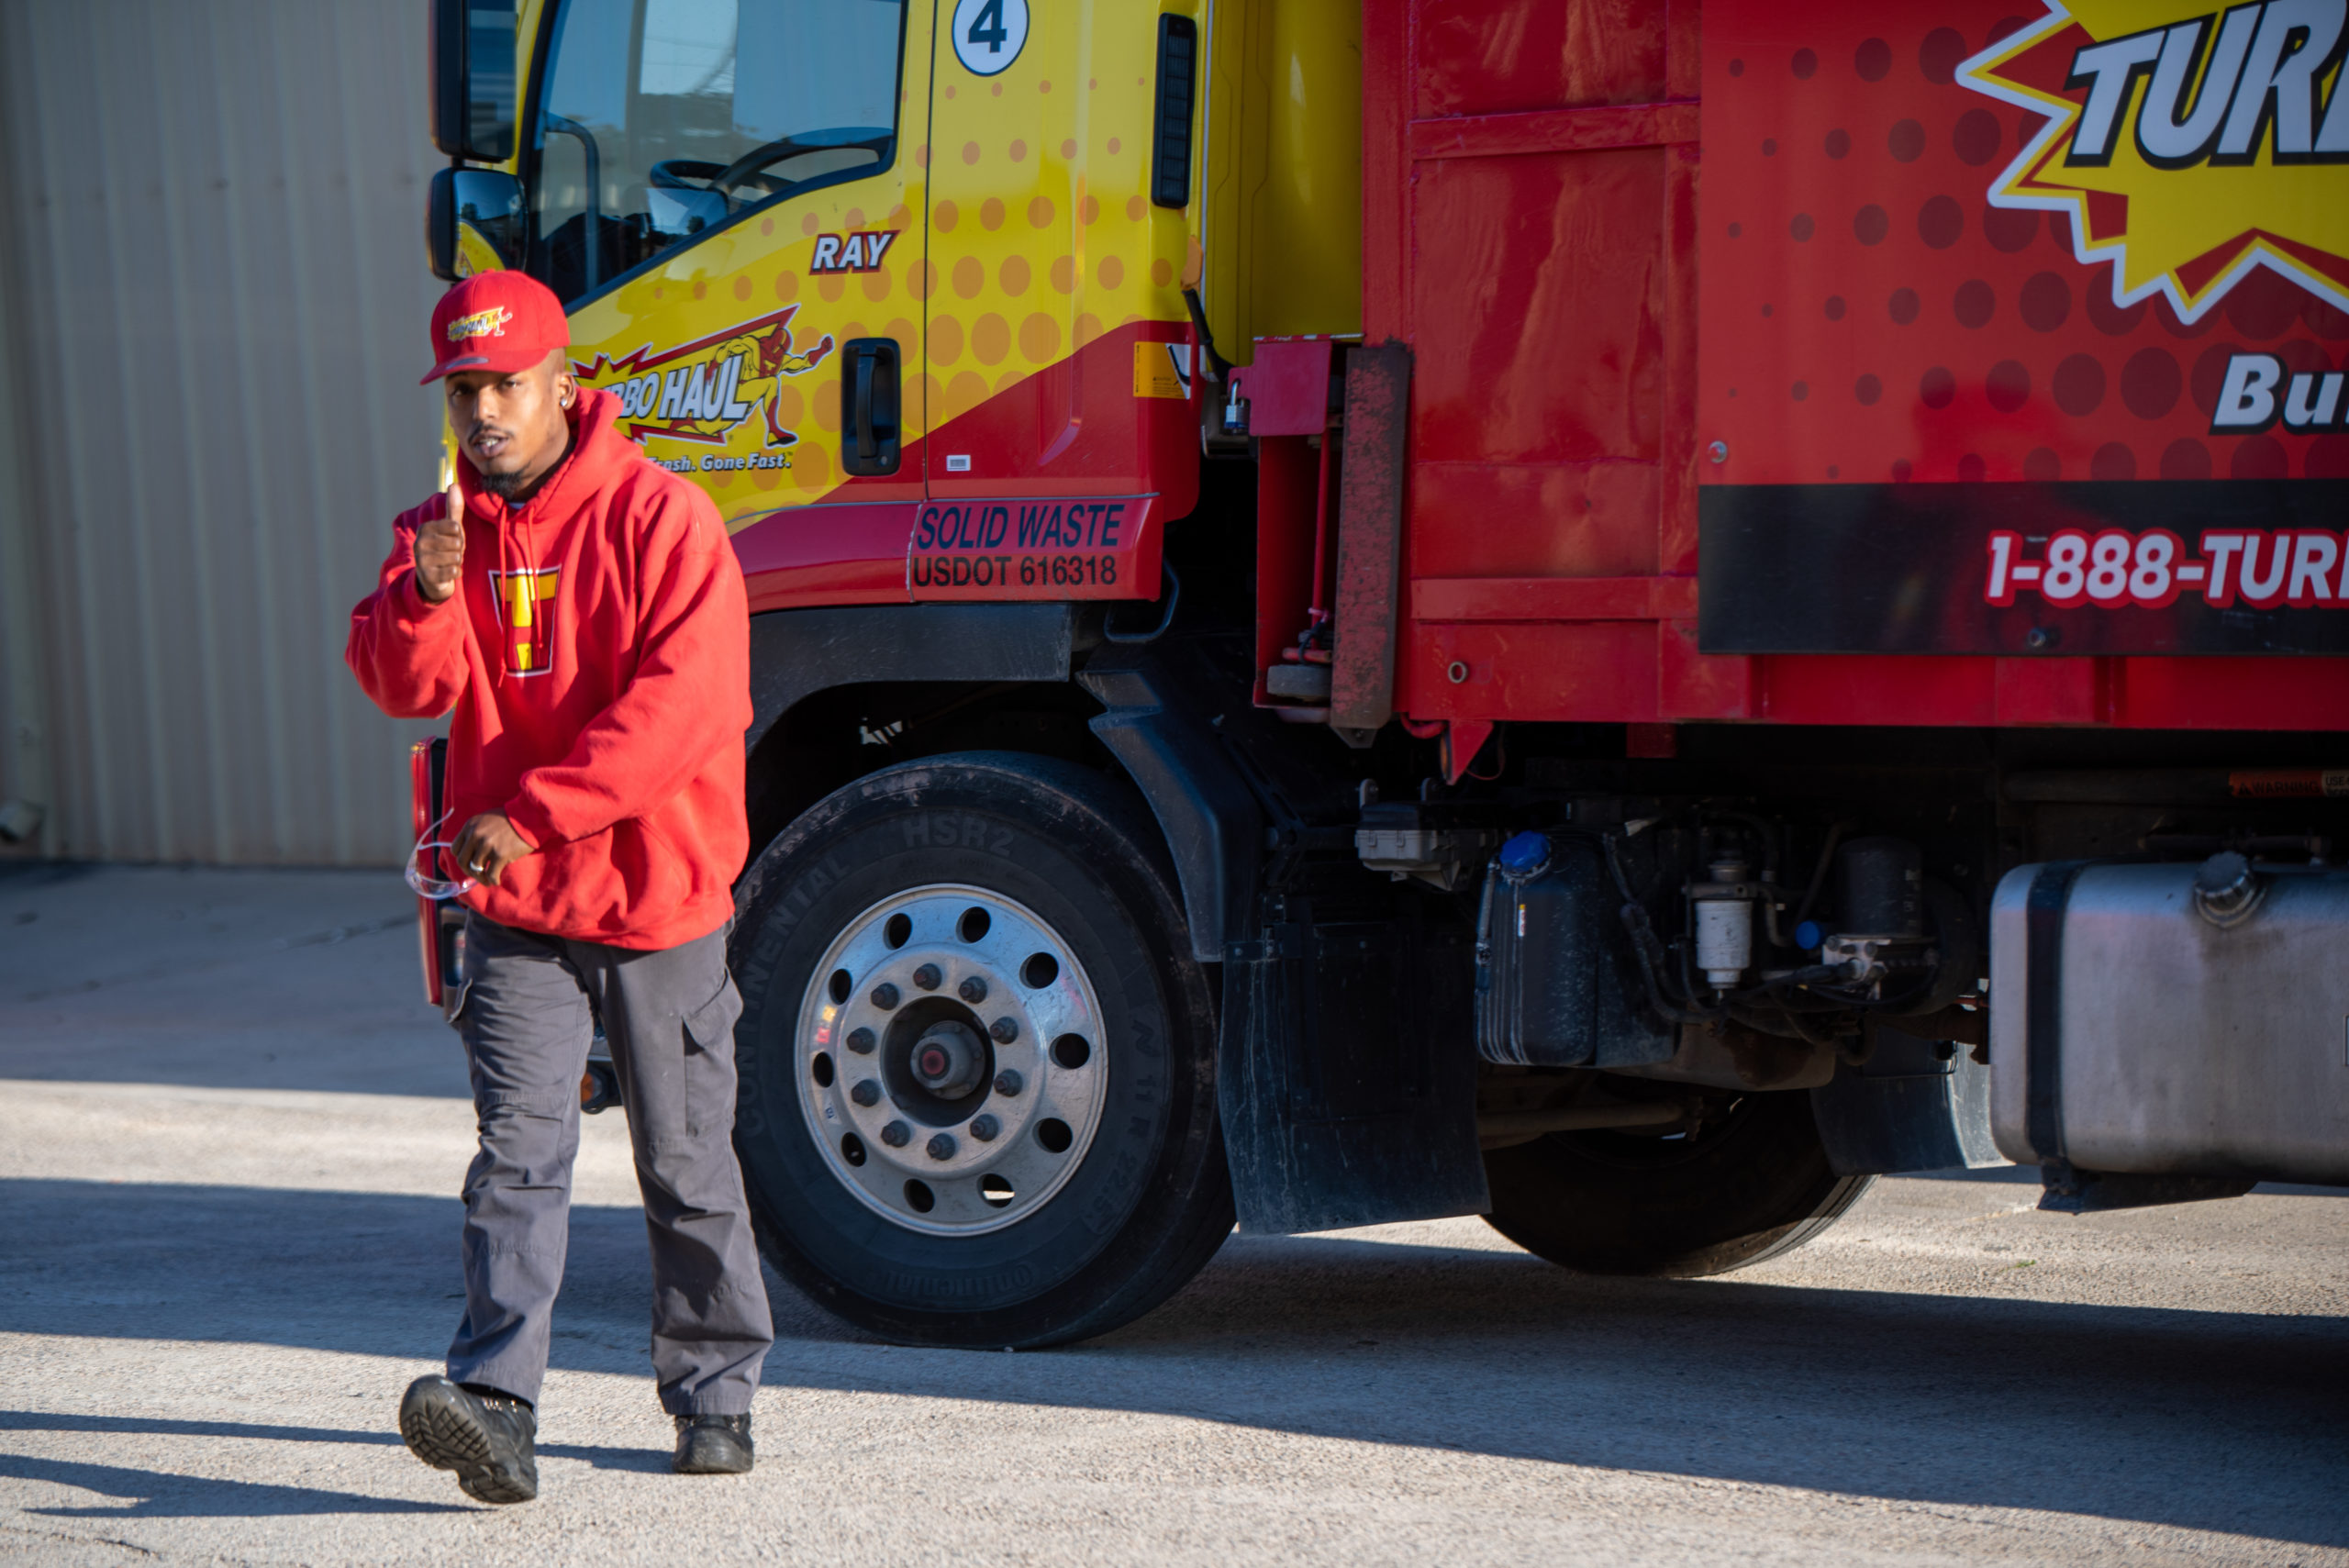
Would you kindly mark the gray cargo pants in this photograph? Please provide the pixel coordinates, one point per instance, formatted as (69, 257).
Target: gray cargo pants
(668, 1018)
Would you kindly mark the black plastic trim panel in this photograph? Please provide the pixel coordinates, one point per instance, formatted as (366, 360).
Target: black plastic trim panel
(797, 653)
(1209, 816)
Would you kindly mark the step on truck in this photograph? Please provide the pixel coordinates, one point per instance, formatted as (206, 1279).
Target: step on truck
(1614, 616)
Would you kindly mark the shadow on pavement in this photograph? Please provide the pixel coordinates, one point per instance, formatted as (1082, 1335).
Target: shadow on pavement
(158, 1494)
(642, 1460)
(2206, 1421)
(72, 1421)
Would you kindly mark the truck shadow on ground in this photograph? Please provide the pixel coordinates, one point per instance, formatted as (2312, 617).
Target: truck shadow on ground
(2205, 1420)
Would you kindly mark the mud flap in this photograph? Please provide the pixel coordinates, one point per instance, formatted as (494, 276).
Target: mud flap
(1347, 1077)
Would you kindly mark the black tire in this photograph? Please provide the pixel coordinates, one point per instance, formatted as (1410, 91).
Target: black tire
(1147, 1202)
(1751, 1186)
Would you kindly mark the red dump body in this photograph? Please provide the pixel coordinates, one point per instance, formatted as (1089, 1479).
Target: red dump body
(1760, 355)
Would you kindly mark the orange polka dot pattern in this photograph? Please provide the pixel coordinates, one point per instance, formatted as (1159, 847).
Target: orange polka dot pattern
(1018, 244)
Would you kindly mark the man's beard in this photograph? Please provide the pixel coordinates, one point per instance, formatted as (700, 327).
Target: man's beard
(504, 486)
(515, 485)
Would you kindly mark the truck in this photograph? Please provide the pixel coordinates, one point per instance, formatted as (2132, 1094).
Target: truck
(1617, 615)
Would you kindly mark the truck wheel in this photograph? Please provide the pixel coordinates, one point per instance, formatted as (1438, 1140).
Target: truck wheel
(977, 1102)
(1750, 1186)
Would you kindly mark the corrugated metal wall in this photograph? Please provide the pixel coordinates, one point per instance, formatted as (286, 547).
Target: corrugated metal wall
(212, 312)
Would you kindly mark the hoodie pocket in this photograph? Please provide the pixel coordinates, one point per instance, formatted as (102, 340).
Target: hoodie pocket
(654, 879)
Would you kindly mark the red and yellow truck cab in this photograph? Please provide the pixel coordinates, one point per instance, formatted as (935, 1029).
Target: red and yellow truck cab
(1618, 616)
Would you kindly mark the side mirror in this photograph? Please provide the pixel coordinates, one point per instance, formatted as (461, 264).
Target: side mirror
(474, 96)
(472, 223)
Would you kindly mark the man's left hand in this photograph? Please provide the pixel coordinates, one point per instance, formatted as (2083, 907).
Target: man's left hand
(488, 846)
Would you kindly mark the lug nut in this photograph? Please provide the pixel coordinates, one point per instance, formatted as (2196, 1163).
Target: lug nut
(866, 1093)
(861, 1041)
(1008, 1083)
(1005, 1030)
(884, 995)
(928, 977)
(896, 1135)
(974, 990)
(985, 1128)
(941, 1146)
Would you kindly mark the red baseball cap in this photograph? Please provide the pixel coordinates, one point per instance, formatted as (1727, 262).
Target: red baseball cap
(495, 321)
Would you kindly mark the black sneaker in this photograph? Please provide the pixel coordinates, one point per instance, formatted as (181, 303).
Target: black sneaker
(712, 1445)
(485, 1437)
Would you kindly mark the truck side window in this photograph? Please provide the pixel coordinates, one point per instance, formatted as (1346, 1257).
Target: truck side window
(663, 120)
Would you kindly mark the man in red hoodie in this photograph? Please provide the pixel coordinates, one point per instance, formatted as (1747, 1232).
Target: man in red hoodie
(580, 610)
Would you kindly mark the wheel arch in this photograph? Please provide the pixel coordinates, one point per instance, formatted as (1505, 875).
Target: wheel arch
(813, 679)
(819, 676)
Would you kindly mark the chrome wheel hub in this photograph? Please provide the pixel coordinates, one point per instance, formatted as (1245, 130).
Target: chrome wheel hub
(951, 1059)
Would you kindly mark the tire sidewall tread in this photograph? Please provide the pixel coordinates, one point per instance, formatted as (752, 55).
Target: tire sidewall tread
(1151, 1199)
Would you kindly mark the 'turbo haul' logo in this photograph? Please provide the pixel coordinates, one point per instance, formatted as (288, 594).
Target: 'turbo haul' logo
(703, 390)
(490, 323)
(2188, 143)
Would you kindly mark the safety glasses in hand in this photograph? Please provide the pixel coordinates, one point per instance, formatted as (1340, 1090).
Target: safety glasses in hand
(423, 868)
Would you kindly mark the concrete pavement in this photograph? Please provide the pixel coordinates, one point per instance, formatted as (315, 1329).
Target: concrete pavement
(228, 1130)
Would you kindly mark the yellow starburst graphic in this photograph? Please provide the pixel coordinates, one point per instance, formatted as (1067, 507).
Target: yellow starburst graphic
(2188, 144)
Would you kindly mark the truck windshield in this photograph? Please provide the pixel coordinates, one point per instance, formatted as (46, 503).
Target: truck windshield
(661, 119)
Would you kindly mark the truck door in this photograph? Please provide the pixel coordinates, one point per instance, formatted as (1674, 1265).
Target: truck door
(721, 196)
(1061, 440)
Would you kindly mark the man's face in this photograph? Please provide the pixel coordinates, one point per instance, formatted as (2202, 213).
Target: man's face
(511, 426)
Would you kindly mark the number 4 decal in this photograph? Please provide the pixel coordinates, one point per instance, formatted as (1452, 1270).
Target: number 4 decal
(988, 26)
(990, 34)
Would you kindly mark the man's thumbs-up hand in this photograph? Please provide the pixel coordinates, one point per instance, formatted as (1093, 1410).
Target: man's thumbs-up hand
(440, 548)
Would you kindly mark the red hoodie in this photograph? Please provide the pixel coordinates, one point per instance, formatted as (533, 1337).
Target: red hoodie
(599, 657)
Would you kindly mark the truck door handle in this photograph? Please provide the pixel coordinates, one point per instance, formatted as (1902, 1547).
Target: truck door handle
(869, 405)
(866, 446)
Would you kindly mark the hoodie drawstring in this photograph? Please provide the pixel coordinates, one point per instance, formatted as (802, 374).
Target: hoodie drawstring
(502, 594)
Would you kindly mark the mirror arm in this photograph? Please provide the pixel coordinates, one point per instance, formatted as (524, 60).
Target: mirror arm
(593, 157)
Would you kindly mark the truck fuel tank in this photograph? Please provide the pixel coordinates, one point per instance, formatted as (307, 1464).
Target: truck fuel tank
(1550, 990)
(2173, 1019)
